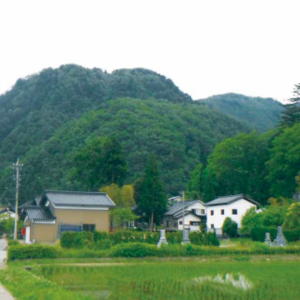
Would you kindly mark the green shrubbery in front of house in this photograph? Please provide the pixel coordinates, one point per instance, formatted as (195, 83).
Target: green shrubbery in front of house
(104, 240)
(144, 250)
(230, 228)
(32, 251)
(256, 224)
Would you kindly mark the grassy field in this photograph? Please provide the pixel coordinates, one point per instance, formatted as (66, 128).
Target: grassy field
(263, 278)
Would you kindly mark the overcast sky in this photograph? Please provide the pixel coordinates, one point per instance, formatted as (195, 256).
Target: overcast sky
(206, 47)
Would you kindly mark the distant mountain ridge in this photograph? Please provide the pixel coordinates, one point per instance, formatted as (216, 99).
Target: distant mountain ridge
(258, 113)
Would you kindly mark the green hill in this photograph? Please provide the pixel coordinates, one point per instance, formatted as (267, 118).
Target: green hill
(38, 105)
(180, 134)
(258, 113)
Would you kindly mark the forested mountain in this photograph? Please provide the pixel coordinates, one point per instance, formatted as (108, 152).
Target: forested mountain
(38, 105)
(179, 134)
(258, 113)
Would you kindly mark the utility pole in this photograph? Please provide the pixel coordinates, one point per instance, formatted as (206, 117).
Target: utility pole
(17, 167)
(183, 209)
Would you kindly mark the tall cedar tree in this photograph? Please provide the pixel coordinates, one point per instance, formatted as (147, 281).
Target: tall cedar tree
(100, 162)
(291, 114)
(149, 194)
(194, 187)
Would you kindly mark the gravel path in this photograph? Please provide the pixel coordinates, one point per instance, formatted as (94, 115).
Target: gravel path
(4, 294)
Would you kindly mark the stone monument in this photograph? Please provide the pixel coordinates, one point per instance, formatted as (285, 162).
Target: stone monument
(162, 238)
(268, 240)
(185, 236)
(280, 239)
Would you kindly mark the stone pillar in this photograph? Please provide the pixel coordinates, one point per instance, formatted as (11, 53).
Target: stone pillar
(162, 239)
(268, 239)
(185, 236)
(280, 239)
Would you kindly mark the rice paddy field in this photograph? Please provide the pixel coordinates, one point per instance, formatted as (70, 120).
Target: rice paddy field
(240, 279)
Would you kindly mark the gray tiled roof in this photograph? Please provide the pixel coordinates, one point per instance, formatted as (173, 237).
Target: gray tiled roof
(79, 199)
(229, 199)
(36, 213)
(177, 208)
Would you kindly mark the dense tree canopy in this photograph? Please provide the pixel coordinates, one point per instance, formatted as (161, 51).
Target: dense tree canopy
(150, 197)
(284, 163)
(180, 135)
(291, 114)
(99, 162)
(237, 166)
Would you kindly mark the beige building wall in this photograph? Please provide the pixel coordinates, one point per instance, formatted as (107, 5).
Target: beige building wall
(78, 217)
(43, 233)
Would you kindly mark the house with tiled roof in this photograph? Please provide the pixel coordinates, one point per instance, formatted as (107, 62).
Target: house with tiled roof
(185, 214)
(232, 206)
(58, 211)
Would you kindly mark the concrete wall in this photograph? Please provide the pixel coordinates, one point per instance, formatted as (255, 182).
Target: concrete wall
(79, 217)
(43, 233)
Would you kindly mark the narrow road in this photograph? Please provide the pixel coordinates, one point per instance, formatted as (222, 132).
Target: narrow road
(4, 294)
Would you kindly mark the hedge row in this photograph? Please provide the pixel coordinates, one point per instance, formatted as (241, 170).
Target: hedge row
(142, 250)
(258, 234)
(104, 240)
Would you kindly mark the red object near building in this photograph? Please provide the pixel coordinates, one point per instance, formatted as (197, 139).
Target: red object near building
(23, 231)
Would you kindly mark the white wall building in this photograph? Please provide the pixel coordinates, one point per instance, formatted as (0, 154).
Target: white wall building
(185, 214)
(233, 206)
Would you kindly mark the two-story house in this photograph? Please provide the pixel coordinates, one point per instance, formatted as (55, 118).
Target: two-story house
(233, 206)
(58, 211)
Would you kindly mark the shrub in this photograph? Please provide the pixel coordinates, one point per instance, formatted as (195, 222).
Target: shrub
(258, 233)
(230, 228)
(292, 235)
(134, 250)
(102, 244)
(204, 238)
(100, 235)
(77, 239)
(13, 242)
(32, 251)
(174, 237)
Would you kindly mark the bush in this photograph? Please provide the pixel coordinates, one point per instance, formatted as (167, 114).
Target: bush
(230, 228)
(104, 240)
(77, 239)
(258, 233)
(292, 235)
(13, 242)
(32, 251)
(134, 250)
(204, 239)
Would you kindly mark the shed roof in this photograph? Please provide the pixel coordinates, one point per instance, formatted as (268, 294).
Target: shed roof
(178, 207)
(78, 199)
(38, 214)
(230, 199)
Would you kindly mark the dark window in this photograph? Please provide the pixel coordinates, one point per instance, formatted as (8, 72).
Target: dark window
(194, 223)
(88, 227)
(234, 211)
(212, 226)
(67, 227)
(211, 212)
(180, 222)
(222, 211)
(202, 211)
